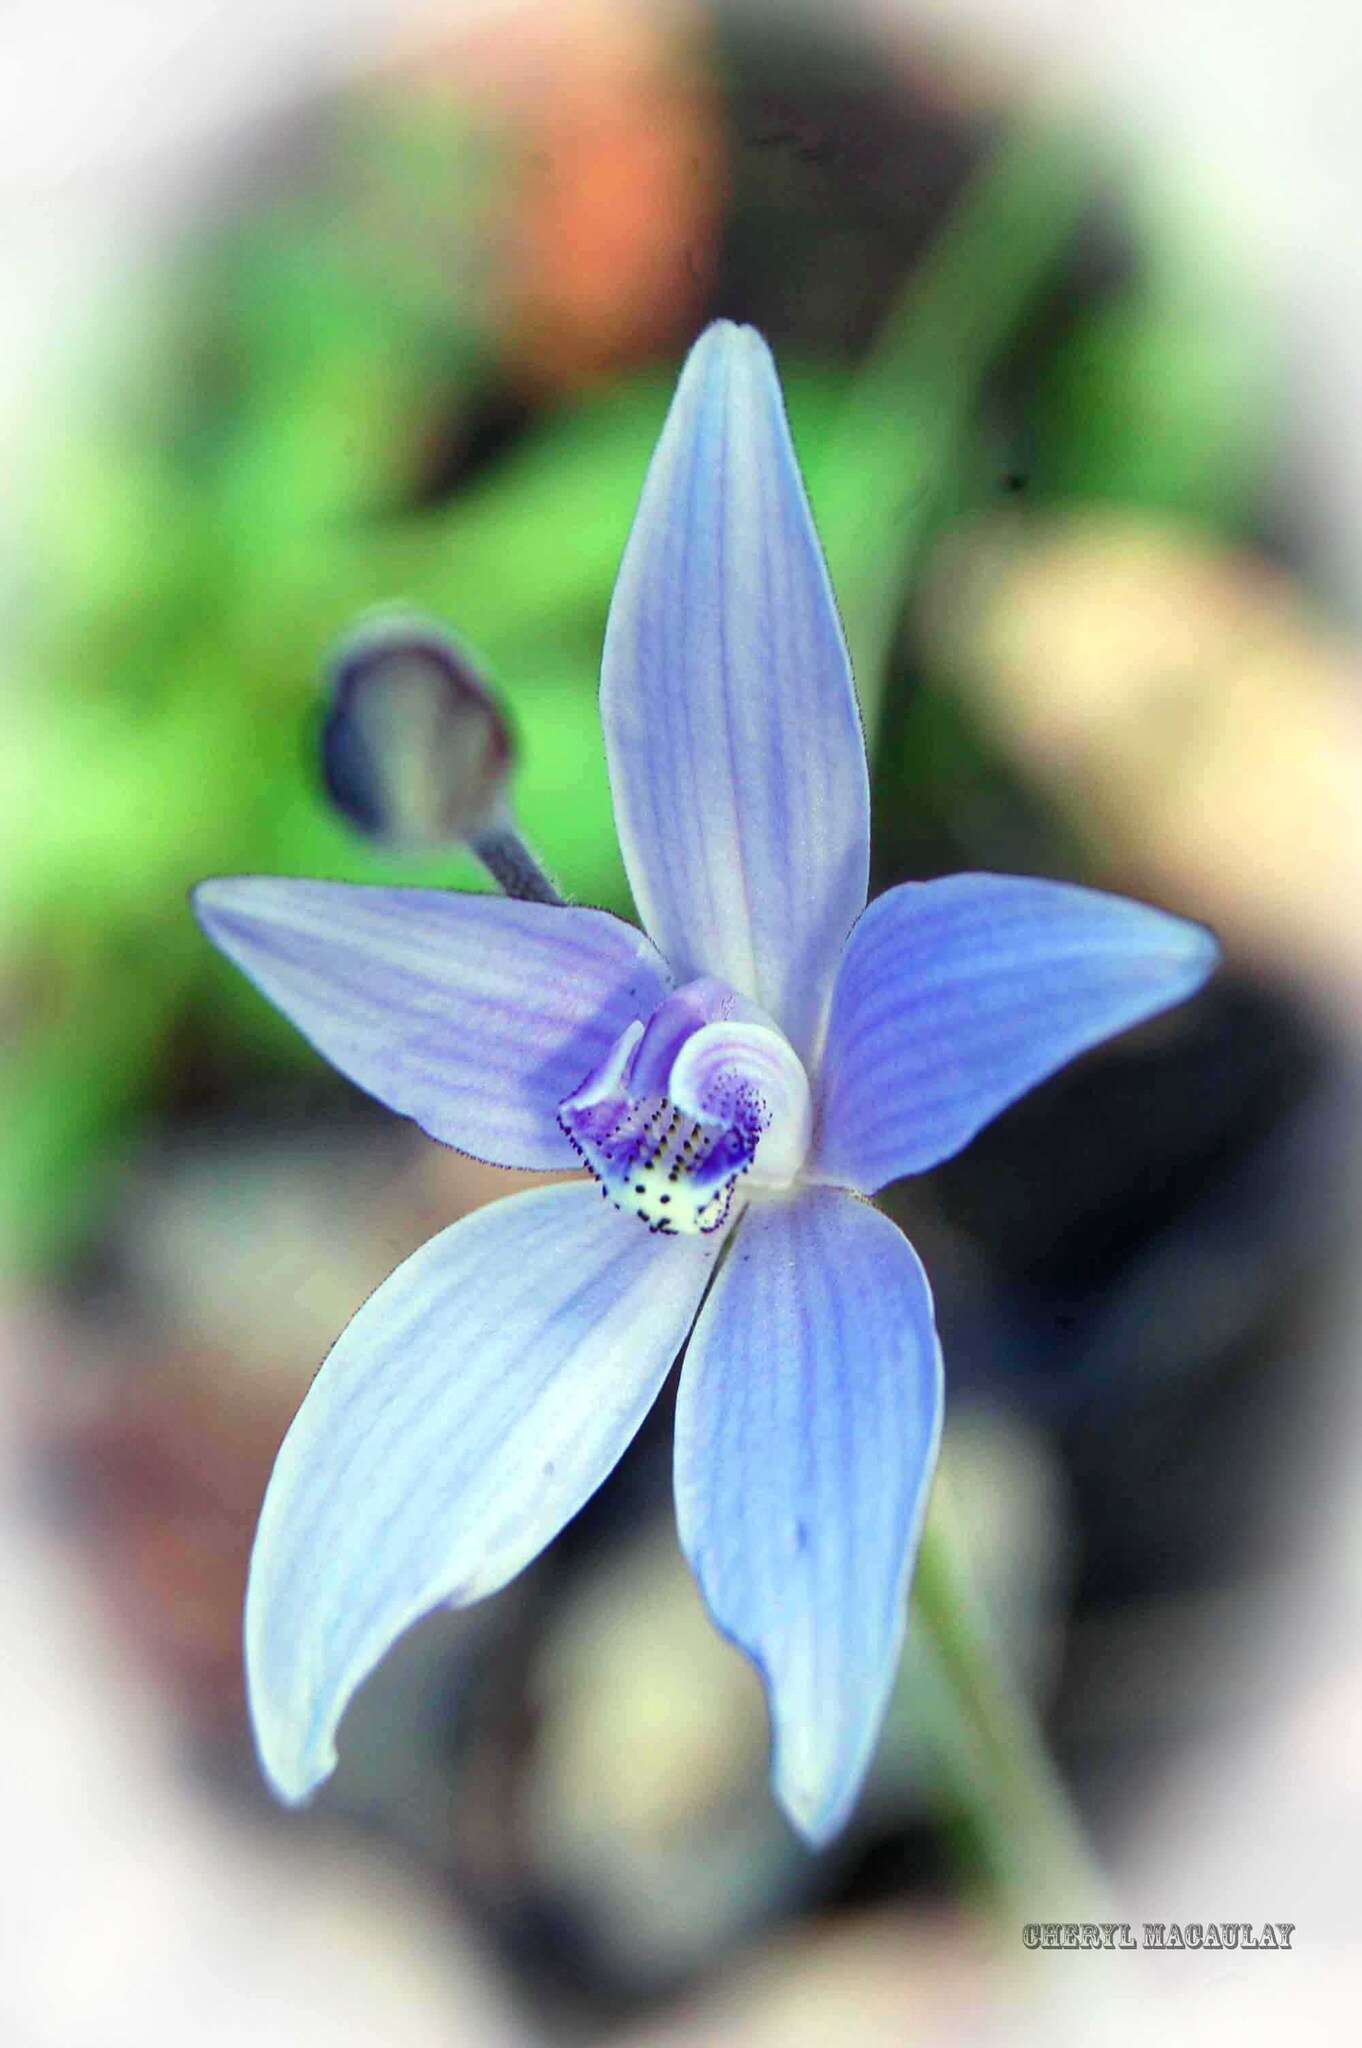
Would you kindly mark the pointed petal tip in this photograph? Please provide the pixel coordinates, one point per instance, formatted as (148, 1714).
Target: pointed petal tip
(295, 1758)
(293, 1779)
(816, 1816)
(816, 1807)
(222, 901)
(1186, 956)
(731, 336)
(729, 350)
(1203, 949)
(205, 896)
(238, 913)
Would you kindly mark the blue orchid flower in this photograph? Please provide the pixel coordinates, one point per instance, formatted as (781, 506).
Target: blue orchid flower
(739, 1082)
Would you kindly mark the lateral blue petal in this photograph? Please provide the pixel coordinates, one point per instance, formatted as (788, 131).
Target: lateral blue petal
(806, 1436)
(734, 742)
(470, 1014)
(472, 1406)
(954, 997)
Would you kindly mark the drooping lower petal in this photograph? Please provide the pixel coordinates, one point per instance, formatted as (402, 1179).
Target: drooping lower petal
(806, 1435)
(472, 1406)
(955, 997)
(470, 1014)
(734, 743)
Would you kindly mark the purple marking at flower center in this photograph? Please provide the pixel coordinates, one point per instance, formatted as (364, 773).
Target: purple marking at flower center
(675, 1166)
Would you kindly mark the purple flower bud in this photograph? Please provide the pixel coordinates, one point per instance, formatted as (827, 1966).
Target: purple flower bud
(414, 748)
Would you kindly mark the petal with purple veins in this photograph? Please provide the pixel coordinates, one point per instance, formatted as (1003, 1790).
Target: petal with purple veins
(734, 742)
(806, 1436)
(472, 1406)
(955, 997)
(471, 1015)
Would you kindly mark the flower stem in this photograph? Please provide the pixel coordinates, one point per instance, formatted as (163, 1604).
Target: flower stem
(512, 866)
(891, 465)
(1021, 1825)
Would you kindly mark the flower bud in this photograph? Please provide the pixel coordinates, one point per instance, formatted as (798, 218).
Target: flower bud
(414, 749)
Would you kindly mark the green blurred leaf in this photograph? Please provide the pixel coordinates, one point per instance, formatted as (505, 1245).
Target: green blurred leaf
(878, 488)
(1163, 400)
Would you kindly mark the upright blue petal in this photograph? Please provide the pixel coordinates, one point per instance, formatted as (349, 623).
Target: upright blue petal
(806, 1436)
(472, 1015)
(955, 997)
(472, 1406)
(735, 749)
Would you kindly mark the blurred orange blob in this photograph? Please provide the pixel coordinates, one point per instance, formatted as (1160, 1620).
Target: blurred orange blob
(168, 1464)
(614, 154)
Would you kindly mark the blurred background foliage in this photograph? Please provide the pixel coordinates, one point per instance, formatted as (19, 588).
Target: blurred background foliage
(421, 354)
(425, 358)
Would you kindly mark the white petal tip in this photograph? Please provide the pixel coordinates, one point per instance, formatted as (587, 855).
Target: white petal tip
(293, 1787)
(295, 1769)
(728, 350)
(1188, 954)
(817, 1821)
(1204, 950)
(730, 335)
